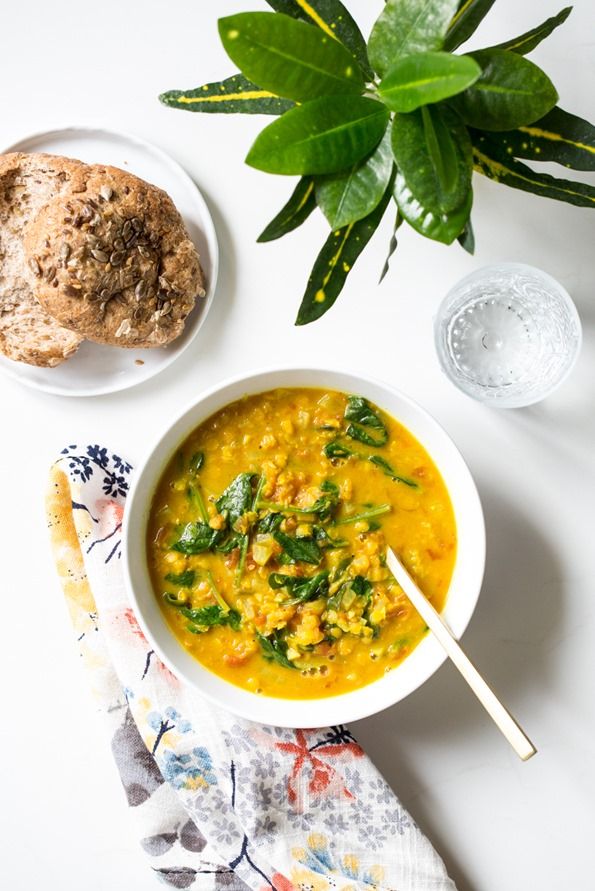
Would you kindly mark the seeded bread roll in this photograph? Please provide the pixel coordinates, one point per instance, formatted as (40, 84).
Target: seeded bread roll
(116, 263)
(27, 333)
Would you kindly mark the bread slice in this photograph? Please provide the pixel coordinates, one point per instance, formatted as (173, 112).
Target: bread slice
(27, 333)
(114, 261)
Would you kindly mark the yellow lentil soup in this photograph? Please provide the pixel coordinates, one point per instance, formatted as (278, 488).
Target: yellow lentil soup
(267, 535)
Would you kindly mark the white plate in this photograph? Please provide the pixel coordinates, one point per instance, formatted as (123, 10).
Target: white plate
(95, 368)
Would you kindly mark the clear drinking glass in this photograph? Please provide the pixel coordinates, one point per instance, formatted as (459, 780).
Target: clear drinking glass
(507, 335)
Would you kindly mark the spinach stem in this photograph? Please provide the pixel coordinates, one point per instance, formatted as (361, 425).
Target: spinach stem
(197, 500)
(365, 515)
(259, 488)
(216, 592)
(286, 508)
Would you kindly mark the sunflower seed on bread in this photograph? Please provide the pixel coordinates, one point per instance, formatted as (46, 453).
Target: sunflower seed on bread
(114, 262)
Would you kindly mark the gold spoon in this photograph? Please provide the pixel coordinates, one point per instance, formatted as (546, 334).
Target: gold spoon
(502, 718)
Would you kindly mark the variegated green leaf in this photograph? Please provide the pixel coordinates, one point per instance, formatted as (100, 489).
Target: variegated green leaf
(234, 95)
(465, 20)
(423, 78)
(511, 92)
(559, 136)
(353, 194)
(292, 58)
(408, 26)
(444, 227)
(299, 207)
(335, 261)
(321, 136)
(528, 41)
(490, 160)
(433, 154)
(334, 19)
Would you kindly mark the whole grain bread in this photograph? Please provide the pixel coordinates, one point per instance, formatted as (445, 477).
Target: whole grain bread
(115, 263)
(28, 333)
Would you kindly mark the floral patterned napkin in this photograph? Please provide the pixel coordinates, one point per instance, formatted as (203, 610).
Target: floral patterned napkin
(221, 803)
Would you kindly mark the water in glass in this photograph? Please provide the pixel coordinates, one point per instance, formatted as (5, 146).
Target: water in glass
(507, 335)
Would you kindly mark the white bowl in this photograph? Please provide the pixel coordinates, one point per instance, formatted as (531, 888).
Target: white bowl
(426, 657)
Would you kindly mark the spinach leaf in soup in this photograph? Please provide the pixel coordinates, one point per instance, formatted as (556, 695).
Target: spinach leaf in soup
(183, 579)
(354, 431)
(362, 587)
(363, 419)
(301, 589)
(359, 409)
(326, 505)
(390, 471)
(324, 540)
(196, 462)
(274, 648)
(206, 617)
(236, 500)
(196, 538)
(299, 550)
(270, 523)
(336, 449)
(233, 541)
(358, 586)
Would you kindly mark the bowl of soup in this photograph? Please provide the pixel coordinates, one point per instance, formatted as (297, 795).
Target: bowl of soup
(255, 540)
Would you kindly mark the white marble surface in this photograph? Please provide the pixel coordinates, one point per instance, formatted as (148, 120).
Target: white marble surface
(498, 823)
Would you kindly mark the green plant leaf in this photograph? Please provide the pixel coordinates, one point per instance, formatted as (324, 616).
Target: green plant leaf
(346, 197)
(467, 238)
(444, 227)
(299, 207)
(334, 19)
(433, 154)
(422, 78)
(321, 136)
(392, 245)
(335, 261)
(498, 165)
(234, 95)
(559, 136)
(289, 57)
(465, 20)
(408, 26)
(528, 41)
(511, 91)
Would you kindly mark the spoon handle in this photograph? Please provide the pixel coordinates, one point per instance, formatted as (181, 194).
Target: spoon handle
(500, 715)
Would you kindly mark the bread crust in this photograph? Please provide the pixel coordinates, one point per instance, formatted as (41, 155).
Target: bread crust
(27, 332)
(114, 261)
